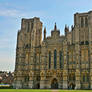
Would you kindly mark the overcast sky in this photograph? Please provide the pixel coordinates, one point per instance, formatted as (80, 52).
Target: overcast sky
(49, 11)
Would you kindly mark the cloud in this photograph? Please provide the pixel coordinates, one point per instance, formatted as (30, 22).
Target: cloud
(20, 14)
(8, 37)
(7, 62)
(7, 54)
(9, 10)
(11, 13)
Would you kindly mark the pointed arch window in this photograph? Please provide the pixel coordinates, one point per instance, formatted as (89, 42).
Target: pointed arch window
(60, 59)
(49, 59)
(82, 22)
(55, 59)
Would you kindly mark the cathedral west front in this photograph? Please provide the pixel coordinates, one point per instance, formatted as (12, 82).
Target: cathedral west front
(57, 61)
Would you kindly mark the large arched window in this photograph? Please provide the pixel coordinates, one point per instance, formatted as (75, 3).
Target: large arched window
(55, 59)
(82, 22)
(49, 59)
(60, 59)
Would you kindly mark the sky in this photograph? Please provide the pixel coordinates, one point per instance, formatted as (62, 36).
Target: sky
(49, 12)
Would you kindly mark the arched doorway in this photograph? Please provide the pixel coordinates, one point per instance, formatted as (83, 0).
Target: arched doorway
(54, 84)
(37, 85)
(71, 86)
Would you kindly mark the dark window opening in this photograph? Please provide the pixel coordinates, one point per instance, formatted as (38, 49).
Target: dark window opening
(60, 59)
(38, 78)
(82, 22)
(49, 60)
(26, 78)
(55, 59)
(86, 22)
(82, 43)
(87, 43)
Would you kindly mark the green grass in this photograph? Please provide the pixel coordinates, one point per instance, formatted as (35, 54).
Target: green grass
(40, 90)
(75, 90)
(24, 90)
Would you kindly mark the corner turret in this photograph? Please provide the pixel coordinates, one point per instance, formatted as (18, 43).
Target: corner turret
(45, 33)
(55, 27)
(66, 30)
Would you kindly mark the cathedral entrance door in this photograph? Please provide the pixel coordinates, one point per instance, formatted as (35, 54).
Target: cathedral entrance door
(54, 84)
(72, 86)
(38, 85)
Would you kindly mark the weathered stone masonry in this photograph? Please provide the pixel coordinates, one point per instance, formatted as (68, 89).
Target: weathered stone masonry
(57, 61)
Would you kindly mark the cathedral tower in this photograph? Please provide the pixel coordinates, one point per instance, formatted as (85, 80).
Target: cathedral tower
(28, 53)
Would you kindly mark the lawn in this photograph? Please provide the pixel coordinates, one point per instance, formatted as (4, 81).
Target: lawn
(24, 90)
(41, 90)
(75, 90)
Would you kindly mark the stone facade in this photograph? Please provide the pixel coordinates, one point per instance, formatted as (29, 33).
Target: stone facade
(57, 61)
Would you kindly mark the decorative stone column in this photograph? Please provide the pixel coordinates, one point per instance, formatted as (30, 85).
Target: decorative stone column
(65, 79)
(65, 73)
(78, 85)
(65, 68)
(77, 74)
(42, 80)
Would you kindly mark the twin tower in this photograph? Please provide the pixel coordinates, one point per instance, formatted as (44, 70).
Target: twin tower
(57, 61)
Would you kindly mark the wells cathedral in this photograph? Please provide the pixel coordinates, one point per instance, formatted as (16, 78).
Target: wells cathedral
(57, 61)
